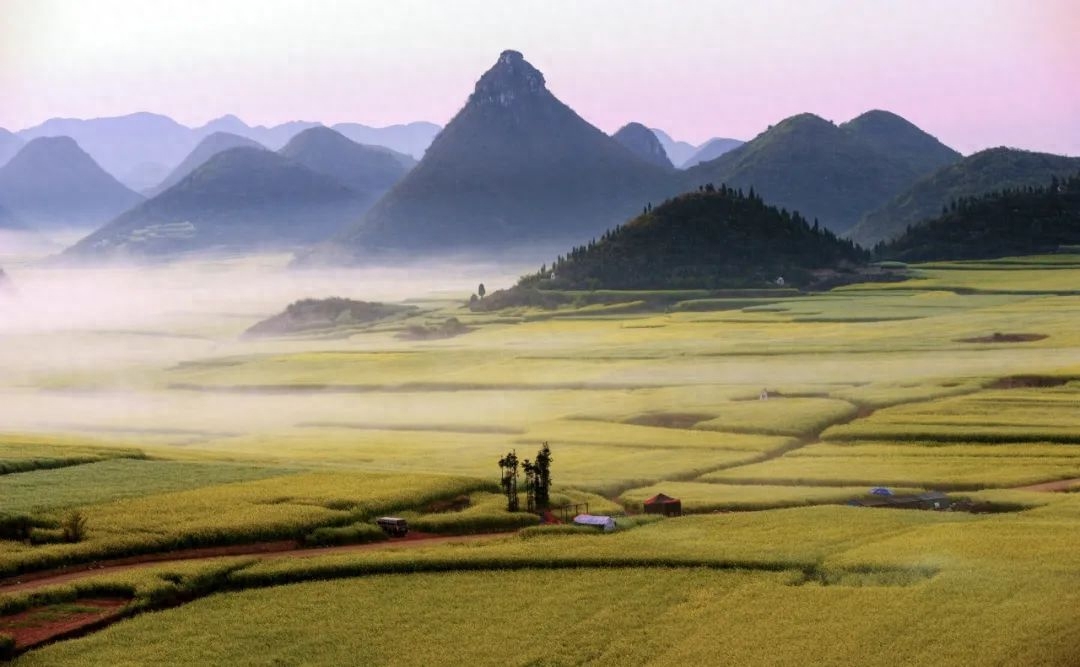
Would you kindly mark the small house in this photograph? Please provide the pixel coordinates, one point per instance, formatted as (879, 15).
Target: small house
(604, 523)
(663, 505)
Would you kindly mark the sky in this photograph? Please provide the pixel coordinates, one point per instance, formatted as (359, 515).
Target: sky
(974, 73)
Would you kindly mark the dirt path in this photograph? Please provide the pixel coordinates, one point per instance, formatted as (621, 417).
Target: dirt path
(266, 550)
(35, 627)
(1060, 485)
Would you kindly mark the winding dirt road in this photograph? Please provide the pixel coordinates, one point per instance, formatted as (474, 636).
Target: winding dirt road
(264, 550)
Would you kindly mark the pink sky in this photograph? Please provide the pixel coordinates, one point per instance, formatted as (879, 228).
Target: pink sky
(975, 73)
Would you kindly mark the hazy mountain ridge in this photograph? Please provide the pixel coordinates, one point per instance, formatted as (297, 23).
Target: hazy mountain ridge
(9, 220)
(368, 171)
(711, 150)
(808, 164)
(242, 199)
(209, 147)
(975, 175)
(412, 139)
(677, 151)
(515, 165)
(641, 141)
(10, 144)
(1020, 221)
(53, 183)
(140, 149)
(901, 140)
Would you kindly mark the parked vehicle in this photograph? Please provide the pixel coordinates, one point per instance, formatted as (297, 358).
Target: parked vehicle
(393, 526)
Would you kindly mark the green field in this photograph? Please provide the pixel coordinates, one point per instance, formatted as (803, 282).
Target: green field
(198, 438)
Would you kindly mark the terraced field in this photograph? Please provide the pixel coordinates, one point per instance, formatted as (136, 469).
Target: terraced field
(964, 379)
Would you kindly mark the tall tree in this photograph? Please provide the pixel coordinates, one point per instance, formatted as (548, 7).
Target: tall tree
(543, 477)
(509, 467)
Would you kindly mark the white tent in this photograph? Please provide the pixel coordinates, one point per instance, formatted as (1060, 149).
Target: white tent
(605, 523)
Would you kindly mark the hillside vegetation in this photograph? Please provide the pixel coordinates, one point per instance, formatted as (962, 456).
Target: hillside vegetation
(979, 174)
(835, 174)
(1027, 221)
(714, 238)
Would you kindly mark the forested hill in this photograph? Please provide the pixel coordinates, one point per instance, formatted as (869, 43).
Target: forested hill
(1022, 221)
(713, 238)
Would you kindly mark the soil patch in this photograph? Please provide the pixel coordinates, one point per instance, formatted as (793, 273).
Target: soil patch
(265, 550)
(1028, 382)
(669, 419)
(1061, 485)
(1005, 338)
(39, 625)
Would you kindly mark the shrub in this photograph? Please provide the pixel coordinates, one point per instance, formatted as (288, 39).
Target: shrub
(7, 647)
(74, 526)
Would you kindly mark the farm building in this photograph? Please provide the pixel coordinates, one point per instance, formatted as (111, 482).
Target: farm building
(604, 523)
(931, 500)
(664, 505)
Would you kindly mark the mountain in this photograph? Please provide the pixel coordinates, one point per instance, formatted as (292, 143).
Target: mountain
(52, 182)
(9, 220)
(124, 145)
(514, 166)
(273, 137)
(9, 146)
(643, 143)
(806, 163)
(984, 172)
(901, 140)
(412, 138)
(369, 171)
(677, 151)
(714, 238)
(1021, 221)
(242, 199)
(711, 150)
(207, 148)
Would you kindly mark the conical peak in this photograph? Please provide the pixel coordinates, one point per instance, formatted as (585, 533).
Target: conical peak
(510, 78)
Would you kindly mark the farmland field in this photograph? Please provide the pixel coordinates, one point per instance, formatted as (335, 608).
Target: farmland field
(175, 432)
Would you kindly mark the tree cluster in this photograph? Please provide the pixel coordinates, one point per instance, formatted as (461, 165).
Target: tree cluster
(537, 480)
(1020, 221)
(716, 237)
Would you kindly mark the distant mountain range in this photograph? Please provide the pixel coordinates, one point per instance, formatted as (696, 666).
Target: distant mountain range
(207, 148)
(1021, 221)
(684, 155)
(53, 183)
(412, 138)
(979, 174)
(247, 198)
(677, 151)
(641, 141)
(9, 220)
(243, 199)
(710, 150)
(514, 166)
(901, 140)
(9, 146)
(141, 149)
(835, 174)
(369, 171)
(714, 238)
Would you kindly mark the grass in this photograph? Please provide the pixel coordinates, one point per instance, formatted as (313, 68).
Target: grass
(105, 481)
(287, 507)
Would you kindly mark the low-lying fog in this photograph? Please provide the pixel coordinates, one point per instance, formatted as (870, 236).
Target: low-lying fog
(101, 326)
